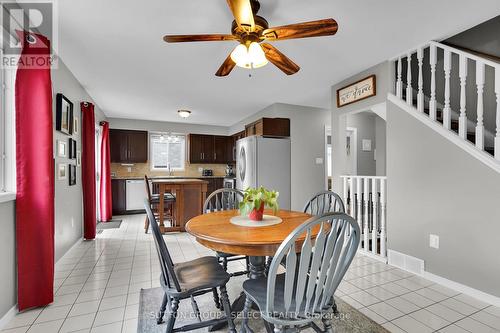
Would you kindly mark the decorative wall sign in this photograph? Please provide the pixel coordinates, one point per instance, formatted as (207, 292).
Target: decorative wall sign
(62, 148)
(72, 174)
(357, 91)
(61, 171)
(64, 114)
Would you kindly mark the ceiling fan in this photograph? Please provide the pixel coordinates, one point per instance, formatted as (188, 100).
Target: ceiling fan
(251, 31)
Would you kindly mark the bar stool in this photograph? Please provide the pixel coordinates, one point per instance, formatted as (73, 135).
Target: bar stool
(154, 201)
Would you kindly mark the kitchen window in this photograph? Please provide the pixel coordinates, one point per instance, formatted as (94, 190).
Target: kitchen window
(167, 151)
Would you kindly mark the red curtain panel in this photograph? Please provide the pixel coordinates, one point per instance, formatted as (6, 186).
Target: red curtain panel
(105, 182)
(88, 170)
(35, 176)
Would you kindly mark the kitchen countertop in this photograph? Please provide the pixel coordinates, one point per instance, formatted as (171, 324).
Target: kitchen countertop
(166, 177)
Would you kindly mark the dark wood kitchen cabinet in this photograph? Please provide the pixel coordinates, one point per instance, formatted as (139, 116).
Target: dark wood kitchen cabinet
(220, 149)
(118, 195)
(270, 127)
(201, 148)
(127, 146)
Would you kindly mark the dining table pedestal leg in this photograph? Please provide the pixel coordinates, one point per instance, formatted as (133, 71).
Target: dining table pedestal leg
(257, 270)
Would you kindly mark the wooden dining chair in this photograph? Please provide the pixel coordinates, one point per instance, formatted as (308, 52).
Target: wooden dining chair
(324, 202)
(188, 280)
(221, 200)
(303, 293)
(154, 201)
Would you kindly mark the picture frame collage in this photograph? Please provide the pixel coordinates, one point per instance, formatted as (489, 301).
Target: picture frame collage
(68, 124)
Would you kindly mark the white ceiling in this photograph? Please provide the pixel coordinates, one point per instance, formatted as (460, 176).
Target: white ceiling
(115, 49)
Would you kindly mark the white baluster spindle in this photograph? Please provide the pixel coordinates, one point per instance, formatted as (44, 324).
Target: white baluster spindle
(462, 120)
(366, 199)
(374, 215)
(345, 190)
(447, 74)
(359, 206)
(383, 249)
(399, 82)
(353, 202)
(497, 133)
(432, 101)
(409, 89)
(480, 105)
(420, 94)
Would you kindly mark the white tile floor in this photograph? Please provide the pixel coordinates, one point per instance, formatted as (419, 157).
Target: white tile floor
(97, 289)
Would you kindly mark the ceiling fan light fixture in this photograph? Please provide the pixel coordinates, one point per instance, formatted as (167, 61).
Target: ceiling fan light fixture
(184, 113)
(249, 57)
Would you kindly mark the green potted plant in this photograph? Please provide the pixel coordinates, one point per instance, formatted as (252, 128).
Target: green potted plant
(255, 200)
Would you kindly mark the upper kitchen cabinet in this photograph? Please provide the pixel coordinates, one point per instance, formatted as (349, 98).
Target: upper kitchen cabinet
(270, 127)
(127, 146)
(220, 149)
(213, 149)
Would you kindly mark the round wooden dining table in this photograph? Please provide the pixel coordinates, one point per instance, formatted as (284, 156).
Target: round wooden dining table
(215, 231)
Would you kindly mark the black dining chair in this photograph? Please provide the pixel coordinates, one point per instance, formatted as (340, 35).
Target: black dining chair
(221, 200)
(154, 202)
(188, 280)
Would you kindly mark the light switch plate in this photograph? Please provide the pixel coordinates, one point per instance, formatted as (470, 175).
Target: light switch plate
(434, 241)
(319, 160)
(129, 169)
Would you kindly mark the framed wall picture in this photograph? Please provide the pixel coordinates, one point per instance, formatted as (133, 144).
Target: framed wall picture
(357, 91)
(78, 158)
(72, 148)
(62, 171)
(64, 114)
(72, 174)
(76, 125)
(62, 148)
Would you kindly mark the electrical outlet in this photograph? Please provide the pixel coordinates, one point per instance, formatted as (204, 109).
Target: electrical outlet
(319, 160)
(200, 169)
(129, 169)
(434, 241)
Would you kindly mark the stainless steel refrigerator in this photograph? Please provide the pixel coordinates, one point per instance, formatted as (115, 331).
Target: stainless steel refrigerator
(264, 162)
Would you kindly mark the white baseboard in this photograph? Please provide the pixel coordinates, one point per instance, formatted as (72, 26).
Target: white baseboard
(405, 262)
(373, 256)
(80, 240)
(480, 295)
(402, 261)
(8, 316)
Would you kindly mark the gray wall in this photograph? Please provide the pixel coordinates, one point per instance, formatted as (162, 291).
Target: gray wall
(8, 287)
(159, 126)
(307, 143)
(380, 145)
(436, 187)
(364, 122)
(384, 73)
(68, 203)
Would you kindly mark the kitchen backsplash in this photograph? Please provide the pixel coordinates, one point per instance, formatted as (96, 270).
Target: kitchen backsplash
(140, 169)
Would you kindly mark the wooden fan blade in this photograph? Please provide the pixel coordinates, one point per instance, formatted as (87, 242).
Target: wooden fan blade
(279, 59)
(226, 67)
(197, 38)
(243, 14)
(326, 27)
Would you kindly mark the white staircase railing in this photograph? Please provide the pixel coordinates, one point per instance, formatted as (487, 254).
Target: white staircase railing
(444, 116)
(365, 198)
